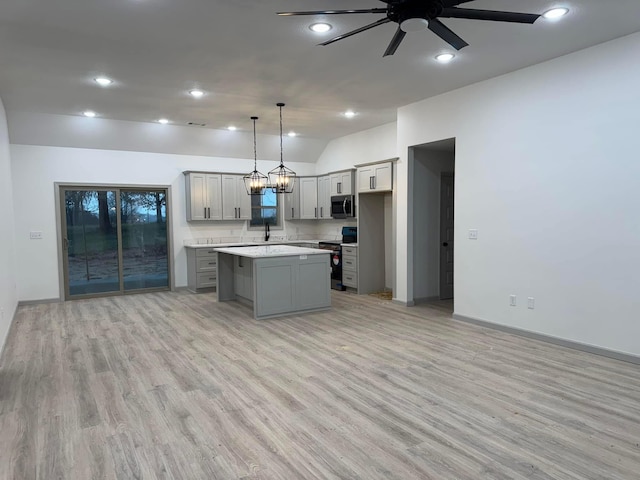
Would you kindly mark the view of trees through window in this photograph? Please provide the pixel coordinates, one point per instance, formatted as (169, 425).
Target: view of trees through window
(93, 245)
(264, 209)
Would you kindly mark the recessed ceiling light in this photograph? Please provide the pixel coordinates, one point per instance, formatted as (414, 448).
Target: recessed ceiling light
(349, 114)
(320, 27)
(163, 121)
(445, 57)
(196, 93)
(103, 81)
(89, 114)
(555, 13)
(232, 128)
(292, 134)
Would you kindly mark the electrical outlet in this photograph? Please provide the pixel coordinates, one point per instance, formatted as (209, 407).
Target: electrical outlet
(512, 300)
(35, 235)
(531, 303)
(473, 234)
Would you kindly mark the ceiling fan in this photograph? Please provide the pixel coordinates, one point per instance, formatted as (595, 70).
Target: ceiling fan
(416, 15)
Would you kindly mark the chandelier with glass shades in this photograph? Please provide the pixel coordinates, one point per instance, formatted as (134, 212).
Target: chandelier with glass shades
(255, 182)
(281, 178)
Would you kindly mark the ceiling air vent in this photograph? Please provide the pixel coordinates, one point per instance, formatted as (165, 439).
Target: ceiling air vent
(197, 124)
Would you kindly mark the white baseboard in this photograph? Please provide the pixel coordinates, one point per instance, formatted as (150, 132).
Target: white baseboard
(624, 357)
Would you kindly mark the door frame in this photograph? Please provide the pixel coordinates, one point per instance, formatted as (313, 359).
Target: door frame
(62, 261)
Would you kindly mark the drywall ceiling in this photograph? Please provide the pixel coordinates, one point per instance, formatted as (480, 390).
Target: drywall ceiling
(246, 58)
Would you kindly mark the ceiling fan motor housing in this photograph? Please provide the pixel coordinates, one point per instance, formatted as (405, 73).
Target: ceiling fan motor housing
(409, 9)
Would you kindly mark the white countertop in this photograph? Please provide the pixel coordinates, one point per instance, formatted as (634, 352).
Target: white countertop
(264, 251)
(252, 244)
(348, 244)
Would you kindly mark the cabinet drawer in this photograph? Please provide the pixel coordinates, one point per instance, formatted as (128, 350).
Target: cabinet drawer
(205, 252)
(349, 263)
(206, 264)
(205, 280)
(350, 251)
(349, 279)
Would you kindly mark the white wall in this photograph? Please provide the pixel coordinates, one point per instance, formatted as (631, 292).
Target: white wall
(428, 168)
(104, 134)
(8, 293)
(547, 170)
(367, 146)
(35, 169)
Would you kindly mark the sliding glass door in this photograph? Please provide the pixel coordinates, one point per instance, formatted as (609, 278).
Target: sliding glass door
(115, 240)
(144, 239)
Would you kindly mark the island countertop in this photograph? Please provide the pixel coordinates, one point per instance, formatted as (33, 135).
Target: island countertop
(266, 251)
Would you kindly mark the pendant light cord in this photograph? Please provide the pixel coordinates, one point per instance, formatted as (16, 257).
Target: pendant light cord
(281, 105)
(255, 148)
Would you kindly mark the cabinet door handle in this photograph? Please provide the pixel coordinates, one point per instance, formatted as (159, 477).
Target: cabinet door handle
(238, 212)
(205, 212)
(315, 212)
(291, 212)
(339, 187)
(321, 212)
(372, 183)
(209, 211)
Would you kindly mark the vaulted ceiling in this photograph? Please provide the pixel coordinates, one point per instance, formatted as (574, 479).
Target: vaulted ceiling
(246, 58)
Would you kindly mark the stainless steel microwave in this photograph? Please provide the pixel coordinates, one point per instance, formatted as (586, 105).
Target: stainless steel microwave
(343, 206)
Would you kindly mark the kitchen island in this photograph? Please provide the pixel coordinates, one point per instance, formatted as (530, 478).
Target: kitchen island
(275, 279)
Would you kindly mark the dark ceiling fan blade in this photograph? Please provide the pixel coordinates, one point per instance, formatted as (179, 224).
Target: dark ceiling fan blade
(358, 30)
(453, 3)
(492, 15)
(395, 42)
(333, 12)
(440, 29)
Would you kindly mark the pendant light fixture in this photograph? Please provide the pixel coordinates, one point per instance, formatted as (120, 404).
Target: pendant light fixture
(281, 178)
(255, 182)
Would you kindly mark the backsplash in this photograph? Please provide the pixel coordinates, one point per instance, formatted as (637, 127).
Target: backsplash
(293, 230)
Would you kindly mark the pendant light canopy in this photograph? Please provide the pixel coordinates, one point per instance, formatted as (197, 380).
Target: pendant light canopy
(281, 178)
(255, 182)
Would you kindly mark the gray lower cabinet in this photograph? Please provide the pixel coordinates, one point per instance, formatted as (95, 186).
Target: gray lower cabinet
(275, 285)
(350, 267)
(243, 277)
(291, 284)
(202, 269)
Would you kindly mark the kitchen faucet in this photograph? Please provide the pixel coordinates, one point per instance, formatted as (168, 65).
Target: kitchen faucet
(266, 232)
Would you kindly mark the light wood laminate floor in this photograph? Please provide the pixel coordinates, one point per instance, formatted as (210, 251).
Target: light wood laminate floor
(177, 386)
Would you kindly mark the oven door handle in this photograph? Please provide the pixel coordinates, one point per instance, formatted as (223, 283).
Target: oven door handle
(344, 207)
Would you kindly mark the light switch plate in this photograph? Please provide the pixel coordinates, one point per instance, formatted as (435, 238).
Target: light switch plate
(473, 234)
(35, 235)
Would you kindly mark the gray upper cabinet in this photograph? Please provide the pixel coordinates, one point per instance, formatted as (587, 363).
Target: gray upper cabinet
(342, 183)
(375, 178)
(292, 202)
(204, 197)
(236, 203)
(324, 197)
(308, 198)
(302, 203)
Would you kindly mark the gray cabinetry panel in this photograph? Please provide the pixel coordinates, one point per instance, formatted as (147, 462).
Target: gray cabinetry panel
(202, 266)
(276, 292)
(350, 267)
(291, 284)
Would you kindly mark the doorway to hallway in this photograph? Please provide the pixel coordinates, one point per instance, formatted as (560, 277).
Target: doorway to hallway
(432, 196)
